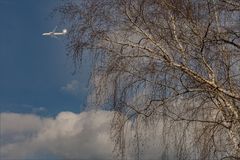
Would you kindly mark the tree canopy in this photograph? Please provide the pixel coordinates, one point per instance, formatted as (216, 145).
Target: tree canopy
(175, 62)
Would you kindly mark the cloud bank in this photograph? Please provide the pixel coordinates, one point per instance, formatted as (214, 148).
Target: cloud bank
(71, 136)
(84, 136)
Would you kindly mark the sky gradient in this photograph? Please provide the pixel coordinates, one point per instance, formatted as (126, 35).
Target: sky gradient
(34, 69)
(36, 83)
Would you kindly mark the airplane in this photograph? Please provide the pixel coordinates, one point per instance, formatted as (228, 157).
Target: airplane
(55, 34)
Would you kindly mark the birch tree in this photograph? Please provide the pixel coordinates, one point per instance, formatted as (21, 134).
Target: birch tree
(174, 62)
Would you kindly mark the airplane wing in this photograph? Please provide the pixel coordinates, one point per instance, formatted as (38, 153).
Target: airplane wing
(54, 30)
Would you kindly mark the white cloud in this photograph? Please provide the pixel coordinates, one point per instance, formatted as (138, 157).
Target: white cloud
(12, 123)
(69, 135)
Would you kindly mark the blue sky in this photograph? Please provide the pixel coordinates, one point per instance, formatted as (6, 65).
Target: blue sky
(34, 69)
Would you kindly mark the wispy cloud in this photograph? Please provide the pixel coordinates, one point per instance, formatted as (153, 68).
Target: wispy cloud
(74, 87)
(23, 108)
(39, 110)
